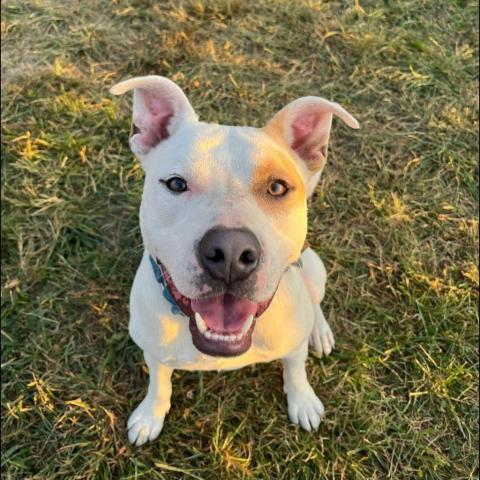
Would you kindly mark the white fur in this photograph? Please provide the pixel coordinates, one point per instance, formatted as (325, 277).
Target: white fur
(219, 164)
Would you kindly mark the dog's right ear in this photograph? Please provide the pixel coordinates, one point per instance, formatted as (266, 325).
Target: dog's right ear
(159, 107)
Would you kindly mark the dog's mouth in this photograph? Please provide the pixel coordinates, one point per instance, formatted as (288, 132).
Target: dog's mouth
(222, 325)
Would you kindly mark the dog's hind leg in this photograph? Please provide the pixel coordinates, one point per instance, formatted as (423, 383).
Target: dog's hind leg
(304, 407)
(146, 421)
(321, 338)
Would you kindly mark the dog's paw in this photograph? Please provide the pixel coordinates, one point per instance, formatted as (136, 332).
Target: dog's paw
(146, 422)
(321, 339)
(305, 408)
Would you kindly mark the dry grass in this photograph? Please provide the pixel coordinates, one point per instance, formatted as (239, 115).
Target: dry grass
(395, 219)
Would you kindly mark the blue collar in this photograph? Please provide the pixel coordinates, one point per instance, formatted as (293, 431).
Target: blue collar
(174, 308)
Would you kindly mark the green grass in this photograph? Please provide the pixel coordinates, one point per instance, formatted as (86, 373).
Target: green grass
(394, 218)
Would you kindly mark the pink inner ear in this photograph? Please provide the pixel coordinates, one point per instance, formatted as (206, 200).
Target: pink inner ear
(302, 127)
(153, 126)
(307, 142)
(158, 106)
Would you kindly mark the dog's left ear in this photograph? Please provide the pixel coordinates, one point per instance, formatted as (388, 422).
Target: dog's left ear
(304, 126)
(159, 107)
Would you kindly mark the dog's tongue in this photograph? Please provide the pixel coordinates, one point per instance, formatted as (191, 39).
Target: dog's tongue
(224, 313)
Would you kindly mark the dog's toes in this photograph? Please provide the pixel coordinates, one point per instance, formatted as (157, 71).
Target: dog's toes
(133, 418)
(145, 430)
(321, 339)
(155, 431)
(316, 344)
(314, 418)
(304, 421)
(327, 345)
(293, 413)
(305, 409)
(145, 423)
(136, 436)
(331, 338)
(321, 343)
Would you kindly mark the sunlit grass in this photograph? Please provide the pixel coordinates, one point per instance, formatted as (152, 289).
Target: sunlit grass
(395, 219)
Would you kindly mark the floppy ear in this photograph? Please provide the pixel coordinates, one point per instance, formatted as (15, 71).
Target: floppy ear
(304, 127)
(159, 107)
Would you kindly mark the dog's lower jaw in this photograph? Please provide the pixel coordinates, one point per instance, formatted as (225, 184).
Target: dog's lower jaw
(220, 348)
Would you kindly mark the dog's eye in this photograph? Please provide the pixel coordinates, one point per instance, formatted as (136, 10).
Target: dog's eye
(176, 184)
(278, 188)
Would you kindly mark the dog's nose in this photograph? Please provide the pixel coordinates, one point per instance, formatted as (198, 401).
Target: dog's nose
(229, 254)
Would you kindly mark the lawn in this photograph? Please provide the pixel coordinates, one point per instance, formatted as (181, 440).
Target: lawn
(395, 219)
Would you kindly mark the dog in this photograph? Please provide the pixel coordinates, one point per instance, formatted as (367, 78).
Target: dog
(225, 280)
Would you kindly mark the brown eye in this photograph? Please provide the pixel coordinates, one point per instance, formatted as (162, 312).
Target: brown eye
(176, 184)
(278, 188)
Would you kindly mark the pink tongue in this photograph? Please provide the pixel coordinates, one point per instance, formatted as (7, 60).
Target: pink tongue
(225, 313)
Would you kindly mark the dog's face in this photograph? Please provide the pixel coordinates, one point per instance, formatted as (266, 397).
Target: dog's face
(224, 208)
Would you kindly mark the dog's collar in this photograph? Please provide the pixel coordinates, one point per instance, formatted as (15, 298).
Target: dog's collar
(174, 308)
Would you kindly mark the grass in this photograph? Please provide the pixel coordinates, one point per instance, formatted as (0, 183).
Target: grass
(395, 220)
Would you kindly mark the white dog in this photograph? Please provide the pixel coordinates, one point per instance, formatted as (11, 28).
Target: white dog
(223, 281)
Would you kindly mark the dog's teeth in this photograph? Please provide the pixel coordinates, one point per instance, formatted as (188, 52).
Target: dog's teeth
(211, 335)
(247, 325)
(201, 325)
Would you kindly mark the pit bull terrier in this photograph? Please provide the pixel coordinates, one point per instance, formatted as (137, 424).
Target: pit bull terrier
(224, 281)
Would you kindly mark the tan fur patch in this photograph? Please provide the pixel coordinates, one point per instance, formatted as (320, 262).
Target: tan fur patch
(287, 212)
(275, 128)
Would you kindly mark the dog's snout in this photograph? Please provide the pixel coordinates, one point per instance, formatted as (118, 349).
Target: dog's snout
(229, 254)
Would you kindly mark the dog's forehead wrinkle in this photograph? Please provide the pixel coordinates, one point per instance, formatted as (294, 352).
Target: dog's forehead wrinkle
(218, 157)
(259, 148)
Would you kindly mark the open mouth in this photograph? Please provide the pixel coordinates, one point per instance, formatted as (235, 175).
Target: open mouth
(222, 325)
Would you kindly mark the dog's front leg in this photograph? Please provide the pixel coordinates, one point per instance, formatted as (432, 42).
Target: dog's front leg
(146, 421)
(304, 407)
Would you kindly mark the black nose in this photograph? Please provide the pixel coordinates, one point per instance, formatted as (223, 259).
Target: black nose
(229, 254)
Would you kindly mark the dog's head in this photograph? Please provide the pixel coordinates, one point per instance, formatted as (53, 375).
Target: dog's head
(224, 209)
